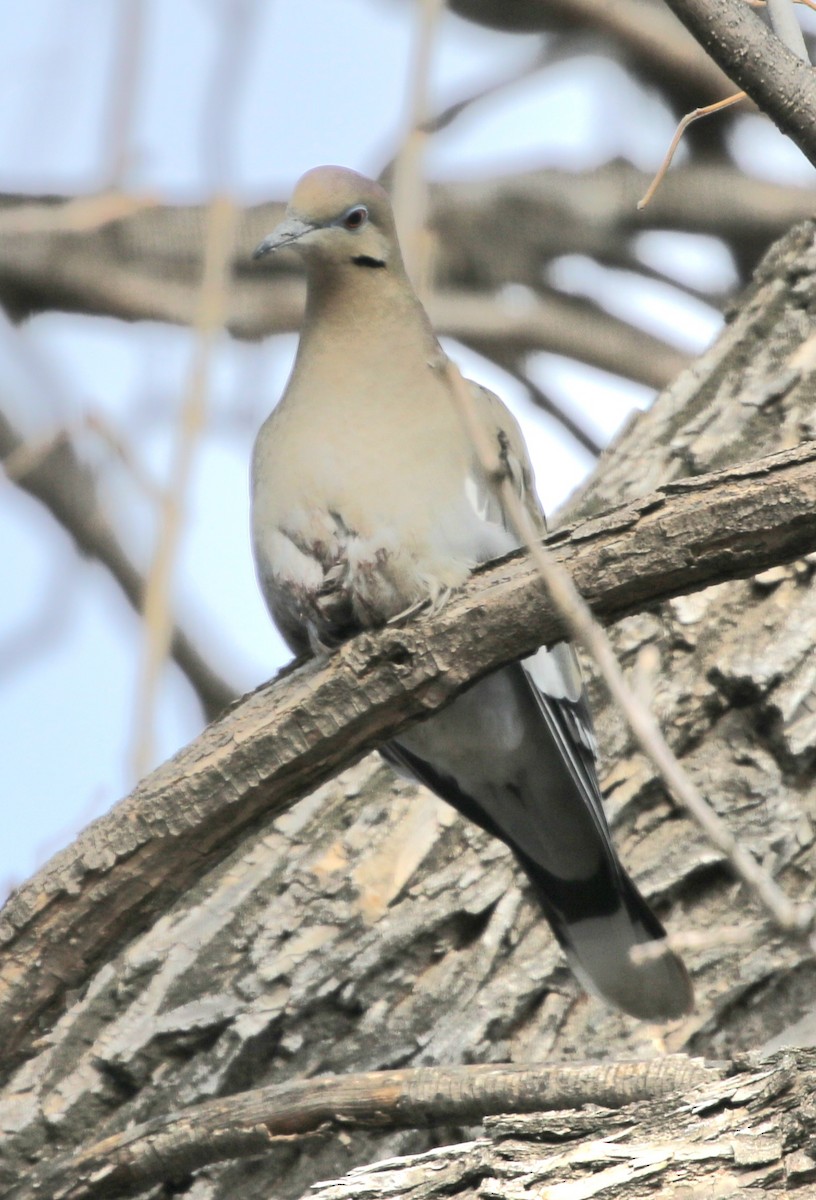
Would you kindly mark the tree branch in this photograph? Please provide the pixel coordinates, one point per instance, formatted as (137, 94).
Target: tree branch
(67, 489)
(145, 261)
(645, 33)
(294, 733)
(746, 1135)
(779, 82)
(248, 1124)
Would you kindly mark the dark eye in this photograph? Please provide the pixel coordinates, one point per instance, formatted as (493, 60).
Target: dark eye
(355, 218)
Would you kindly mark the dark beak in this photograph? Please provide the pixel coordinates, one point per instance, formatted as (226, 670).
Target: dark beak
(290, 230)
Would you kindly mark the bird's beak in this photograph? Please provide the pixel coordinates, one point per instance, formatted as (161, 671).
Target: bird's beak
(290, 230)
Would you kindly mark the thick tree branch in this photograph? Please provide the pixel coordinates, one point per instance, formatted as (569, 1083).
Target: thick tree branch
(294, 733)
(144, 264)
(248, 1124)
(67, 489)
(645, 33)
(263, 305)
(750, 1134)
(774, 77)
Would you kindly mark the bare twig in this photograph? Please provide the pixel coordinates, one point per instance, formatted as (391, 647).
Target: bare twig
(29, 456)
(811, 4)
(250, 1123)
(157, 610)
(583, 627)
(125, 79)
(575, 428)
(80, 214)
(706, 111)
(452, 112)
(211, 316)
(408, 189)
(65, 485)
(787, 29)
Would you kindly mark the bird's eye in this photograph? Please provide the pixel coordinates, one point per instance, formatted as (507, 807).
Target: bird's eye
(355, 218)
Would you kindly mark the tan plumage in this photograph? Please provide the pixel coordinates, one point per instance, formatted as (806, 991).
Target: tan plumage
(368, 498)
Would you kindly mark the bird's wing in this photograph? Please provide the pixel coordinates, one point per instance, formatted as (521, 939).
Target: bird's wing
(494, 416)
(506, 756)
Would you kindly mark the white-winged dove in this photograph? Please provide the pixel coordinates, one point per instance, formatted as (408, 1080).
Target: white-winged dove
(368, 498)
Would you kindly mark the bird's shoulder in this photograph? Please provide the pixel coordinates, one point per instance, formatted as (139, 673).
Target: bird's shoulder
(495, 417)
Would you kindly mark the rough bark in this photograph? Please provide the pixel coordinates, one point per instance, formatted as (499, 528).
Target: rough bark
(244, 1125)
(369, 928)
(290, 735)
(749, 1135)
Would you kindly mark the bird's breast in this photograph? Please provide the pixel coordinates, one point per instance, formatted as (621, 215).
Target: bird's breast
(359, 520)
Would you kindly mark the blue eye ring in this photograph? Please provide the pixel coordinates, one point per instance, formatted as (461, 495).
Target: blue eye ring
(355, 218)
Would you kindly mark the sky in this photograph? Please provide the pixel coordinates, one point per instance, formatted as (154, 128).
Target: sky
(323, 81)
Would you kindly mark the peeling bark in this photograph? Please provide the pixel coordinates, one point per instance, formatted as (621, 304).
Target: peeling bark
(752, 1134)
(248, 1124)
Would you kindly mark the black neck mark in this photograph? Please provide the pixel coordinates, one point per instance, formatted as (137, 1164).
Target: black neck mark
(365, 260)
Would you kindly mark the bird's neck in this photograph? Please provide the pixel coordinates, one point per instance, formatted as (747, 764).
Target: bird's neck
(367, 311)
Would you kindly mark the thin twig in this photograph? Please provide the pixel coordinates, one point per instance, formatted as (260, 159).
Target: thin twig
(408, 189)
(452, 112)
(252, 1122)
(222, 221)
(29, 456)
(778, 82)
(127, 68)
(707, 111)
(787, 29)
(583, 436)
(81, 214)
(157, 602)
(66, 486)
(811, 4)
(588, 633)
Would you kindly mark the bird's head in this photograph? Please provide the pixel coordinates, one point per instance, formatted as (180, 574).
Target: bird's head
(335, 217)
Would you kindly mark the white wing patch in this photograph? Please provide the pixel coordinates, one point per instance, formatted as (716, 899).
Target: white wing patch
(477, 498)
(556, 676)
(555, 673)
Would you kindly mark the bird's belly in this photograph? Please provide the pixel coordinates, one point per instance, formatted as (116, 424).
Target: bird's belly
(344, 543)
(332, 580)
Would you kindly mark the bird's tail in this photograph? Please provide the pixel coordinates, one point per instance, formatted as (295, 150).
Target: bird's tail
(598, 937)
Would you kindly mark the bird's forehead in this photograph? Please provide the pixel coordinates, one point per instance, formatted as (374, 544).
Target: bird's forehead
(325, 192)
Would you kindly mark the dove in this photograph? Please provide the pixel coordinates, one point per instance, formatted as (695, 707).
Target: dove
(368, 500)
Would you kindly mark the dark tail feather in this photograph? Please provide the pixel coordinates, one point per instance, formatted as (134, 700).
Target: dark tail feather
(598, 922)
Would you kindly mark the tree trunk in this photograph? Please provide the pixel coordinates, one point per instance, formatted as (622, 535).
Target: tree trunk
(371, 928)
